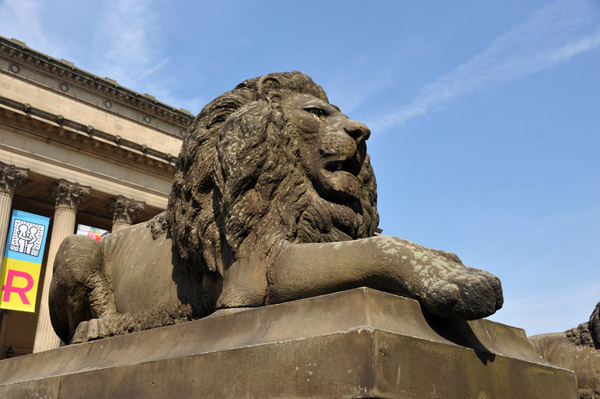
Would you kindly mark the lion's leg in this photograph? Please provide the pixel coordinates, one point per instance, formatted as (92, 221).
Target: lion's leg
(73, 293)
(102, 319)
(438, 279)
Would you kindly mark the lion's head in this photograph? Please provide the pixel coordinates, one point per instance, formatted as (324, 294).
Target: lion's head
(266, 161)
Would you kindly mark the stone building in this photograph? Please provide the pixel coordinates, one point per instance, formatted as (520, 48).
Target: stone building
(78, 149)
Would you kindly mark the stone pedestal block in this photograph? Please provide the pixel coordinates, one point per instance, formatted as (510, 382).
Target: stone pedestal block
(353, 344)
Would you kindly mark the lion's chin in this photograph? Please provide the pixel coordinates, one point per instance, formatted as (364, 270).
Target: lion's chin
(340, 186)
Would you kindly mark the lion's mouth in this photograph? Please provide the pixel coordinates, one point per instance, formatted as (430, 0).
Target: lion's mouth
(351, 166)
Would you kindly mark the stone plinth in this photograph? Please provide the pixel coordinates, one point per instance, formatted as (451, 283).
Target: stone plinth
(352, 344)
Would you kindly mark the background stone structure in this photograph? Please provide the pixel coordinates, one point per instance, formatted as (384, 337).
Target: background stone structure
(576, 349)
(108, 150)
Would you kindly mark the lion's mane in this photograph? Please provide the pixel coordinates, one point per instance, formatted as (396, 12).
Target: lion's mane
(240, 185)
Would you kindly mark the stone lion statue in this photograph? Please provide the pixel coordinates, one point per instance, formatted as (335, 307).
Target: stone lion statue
(274, 199)
(576, 349)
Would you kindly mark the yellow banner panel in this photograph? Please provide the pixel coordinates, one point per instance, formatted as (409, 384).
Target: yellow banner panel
(19, 284)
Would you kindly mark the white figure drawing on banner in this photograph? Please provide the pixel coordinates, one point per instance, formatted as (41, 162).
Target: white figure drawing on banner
(26, 238)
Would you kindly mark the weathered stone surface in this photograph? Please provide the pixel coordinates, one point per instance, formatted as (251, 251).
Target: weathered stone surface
(353, 344)
(273, 200)
(577, 349)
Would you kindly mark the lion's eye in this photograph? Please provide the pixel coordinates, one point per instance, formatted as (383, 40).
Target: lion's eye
(316, 112)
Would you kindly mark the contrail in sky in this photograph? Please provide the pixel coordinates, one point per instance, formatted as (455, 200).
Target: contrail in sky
(552, 34)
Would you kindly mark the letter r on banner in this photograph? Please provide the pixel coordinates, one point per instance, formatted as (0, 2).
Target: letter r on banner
(19, 284)
(10, 288)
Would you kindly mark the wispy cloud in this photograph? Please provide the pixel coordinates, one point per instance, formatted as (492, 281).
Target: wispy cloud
(127, 32)
(130, 34)
(123, 40)
(23, 20)
(554, 33)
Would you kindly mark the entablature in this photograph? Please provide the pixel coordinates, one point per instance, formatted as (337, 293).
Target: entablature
(105, 93)
(60, 130)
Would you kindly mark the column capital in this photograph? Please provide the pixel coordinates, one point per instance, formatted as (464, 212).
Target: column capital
(124, 210)
(67, 194)
(11, 177)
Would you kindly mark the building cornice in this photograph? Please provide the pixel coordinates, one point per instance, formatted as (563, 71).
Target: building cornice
(84, 137)
(66, 70)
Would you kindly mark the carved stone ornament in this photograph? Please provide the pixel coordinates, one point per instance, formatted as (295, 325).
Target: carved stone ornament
(11, 177)
(273, 200)
(67, 194)
(123, 209)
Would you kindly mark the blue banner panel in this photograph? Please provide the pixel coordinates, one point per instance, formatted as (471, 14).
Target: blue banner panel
(23, 260)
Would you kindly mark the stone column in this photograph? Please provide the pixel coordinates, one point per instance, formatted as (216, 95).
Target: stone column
(67, 196)
(124, 211)
(10, 178)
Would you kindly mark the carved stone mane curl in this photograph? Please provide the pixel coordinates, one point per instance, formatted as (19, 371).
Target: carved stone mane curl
(240, 183)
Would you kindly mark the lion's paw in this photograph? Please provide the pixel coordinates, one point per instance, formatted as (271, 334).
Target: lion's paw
(468, 294)
(90, 330)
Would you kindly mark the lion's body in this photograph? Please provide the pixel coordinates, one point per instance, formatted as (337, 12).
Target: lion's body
(129, 254)
(271, 179)
(133, 275)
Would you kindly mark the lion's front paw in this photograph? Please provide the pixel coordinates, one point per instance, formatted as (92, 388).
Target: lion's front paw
(90, 330)
(467, 294)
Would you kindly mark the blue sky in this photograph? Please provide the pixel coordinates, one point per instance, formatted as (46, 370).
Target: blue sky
(485, 116)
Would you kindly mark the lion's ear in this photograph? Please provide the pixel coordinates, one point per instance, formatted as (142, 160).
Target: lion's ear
(269, 88)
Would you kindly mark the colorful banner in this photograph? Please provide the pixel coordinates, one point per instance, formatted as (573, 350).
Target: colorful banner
(23, 261)
(92, 232)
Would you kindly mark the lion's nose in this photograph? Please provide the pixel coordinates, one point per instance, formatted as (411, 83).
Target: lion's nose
(358, 131)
